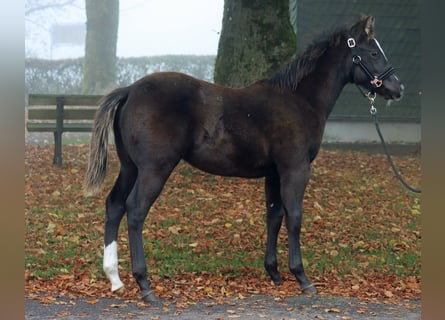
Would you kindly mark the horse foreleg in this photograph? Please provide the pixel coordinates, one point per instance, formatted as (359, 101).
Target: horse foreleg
(292, 189)
(274, 219)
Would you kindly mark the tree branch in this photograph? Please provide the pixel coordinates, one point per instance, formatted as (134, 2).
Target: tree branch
(30, 9)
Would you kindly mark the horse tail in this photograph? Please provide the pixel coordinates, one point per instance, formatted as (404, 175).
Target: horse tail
(103, 121)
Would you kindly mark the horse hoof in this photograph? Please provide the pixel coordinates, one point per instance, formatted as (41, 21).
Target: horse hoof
(277, 282)
(309, 290)
(276, 279)
(149, 297)
(120, 291)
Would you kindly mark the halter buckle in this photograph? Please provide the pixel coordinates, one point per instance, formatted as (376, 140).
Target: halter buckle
(351, 42)
(356, 59)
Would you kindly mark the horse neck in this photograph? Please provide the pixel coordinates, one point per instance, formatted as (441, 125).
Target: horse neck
(324, 84)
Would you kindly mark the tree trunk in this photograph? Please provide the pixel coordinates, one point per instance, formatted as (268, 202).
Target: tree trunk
(256, 40)
(100, 46)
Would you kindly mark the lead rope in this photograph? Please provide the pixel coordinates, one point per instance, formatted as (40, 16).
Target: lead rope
(373, 111)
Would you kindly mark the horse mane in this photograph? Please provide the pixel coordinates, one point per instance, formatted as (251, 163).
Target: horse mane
(304, 64)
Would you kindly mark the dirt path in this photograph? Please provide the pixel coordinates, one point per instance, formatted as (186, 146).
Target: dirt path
(253, 307)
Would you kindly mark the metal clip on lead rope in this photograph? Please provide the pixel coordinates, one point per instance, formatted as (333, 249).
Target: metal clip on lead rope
(371, 96)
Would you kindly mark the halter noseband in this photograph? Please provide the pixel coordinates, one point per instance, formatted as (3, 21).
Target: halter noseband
(375, 80)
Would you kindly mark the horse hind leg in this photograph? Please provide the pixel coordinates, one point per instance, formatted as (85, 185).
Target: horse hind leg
(115, 210)
(148, 186)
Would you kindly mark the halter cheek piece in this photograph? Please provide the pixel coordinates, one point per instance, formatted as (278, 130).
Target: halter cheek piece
(375, 80)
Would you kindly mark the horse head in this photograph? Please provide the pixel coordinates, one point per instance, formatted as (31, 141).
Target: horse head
(369, 64)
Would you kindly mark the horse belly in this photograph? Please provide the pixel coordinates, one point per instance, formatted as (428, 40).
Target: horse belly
(227, 159)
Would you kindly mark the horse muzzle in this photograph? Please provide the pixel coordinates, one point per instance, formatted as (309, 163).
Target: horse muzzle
(391, 89)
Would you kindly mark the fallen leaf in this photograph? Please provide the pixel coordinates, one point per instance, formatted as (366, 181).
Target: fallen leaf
(174, 229)
(334, 253)
(92, 301)
(388, 294)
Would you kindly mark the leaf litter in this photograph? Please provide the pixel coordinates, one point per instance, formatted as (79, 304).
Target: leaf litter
(205, 235)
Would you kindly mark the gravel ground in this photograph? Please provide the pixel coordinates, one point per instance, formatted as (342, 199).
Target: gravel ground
(254, 307)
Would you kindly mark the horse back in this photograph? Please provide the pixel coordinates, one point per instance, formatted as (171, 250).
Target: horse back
(235, 132)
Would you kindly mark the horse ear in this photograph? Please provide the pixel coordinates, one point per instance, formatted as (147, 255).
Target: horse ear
(369, 27)
(364, 28)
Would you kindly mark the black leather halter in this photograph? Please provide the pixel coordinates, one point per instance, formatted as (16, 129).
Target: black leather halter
(375, 80)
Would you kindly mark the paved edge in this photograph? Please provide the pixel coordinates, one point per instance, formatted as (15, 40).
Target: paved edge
(253, 307)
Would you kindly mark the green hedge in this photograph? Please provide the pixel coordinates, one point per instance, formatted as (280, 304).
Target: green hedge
(65, 76)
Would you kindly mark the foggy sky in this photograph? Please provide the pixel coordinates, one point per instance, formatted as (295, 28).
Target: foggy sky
(146, 28)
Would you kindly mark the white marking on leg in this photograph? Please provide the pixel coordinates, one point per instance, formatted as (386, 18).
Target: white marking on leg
(110, 266)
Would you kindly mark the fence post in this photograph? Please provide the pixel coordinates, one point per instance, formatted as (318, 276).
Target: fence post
(60, 100)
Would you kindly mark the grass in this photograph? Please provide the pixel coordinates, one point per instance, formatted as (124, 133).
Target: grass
(359, 223)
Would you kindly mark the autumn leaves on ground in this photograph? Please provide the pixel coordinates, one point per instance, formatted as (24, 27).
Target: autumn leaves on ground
(205, 235)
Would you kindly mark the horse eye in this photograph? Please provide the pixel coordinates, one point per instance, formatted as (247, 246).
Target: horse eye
(374, 54)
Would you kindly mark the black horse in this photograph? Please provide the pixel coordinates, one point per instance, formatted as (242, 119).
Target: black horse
(272, 128)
